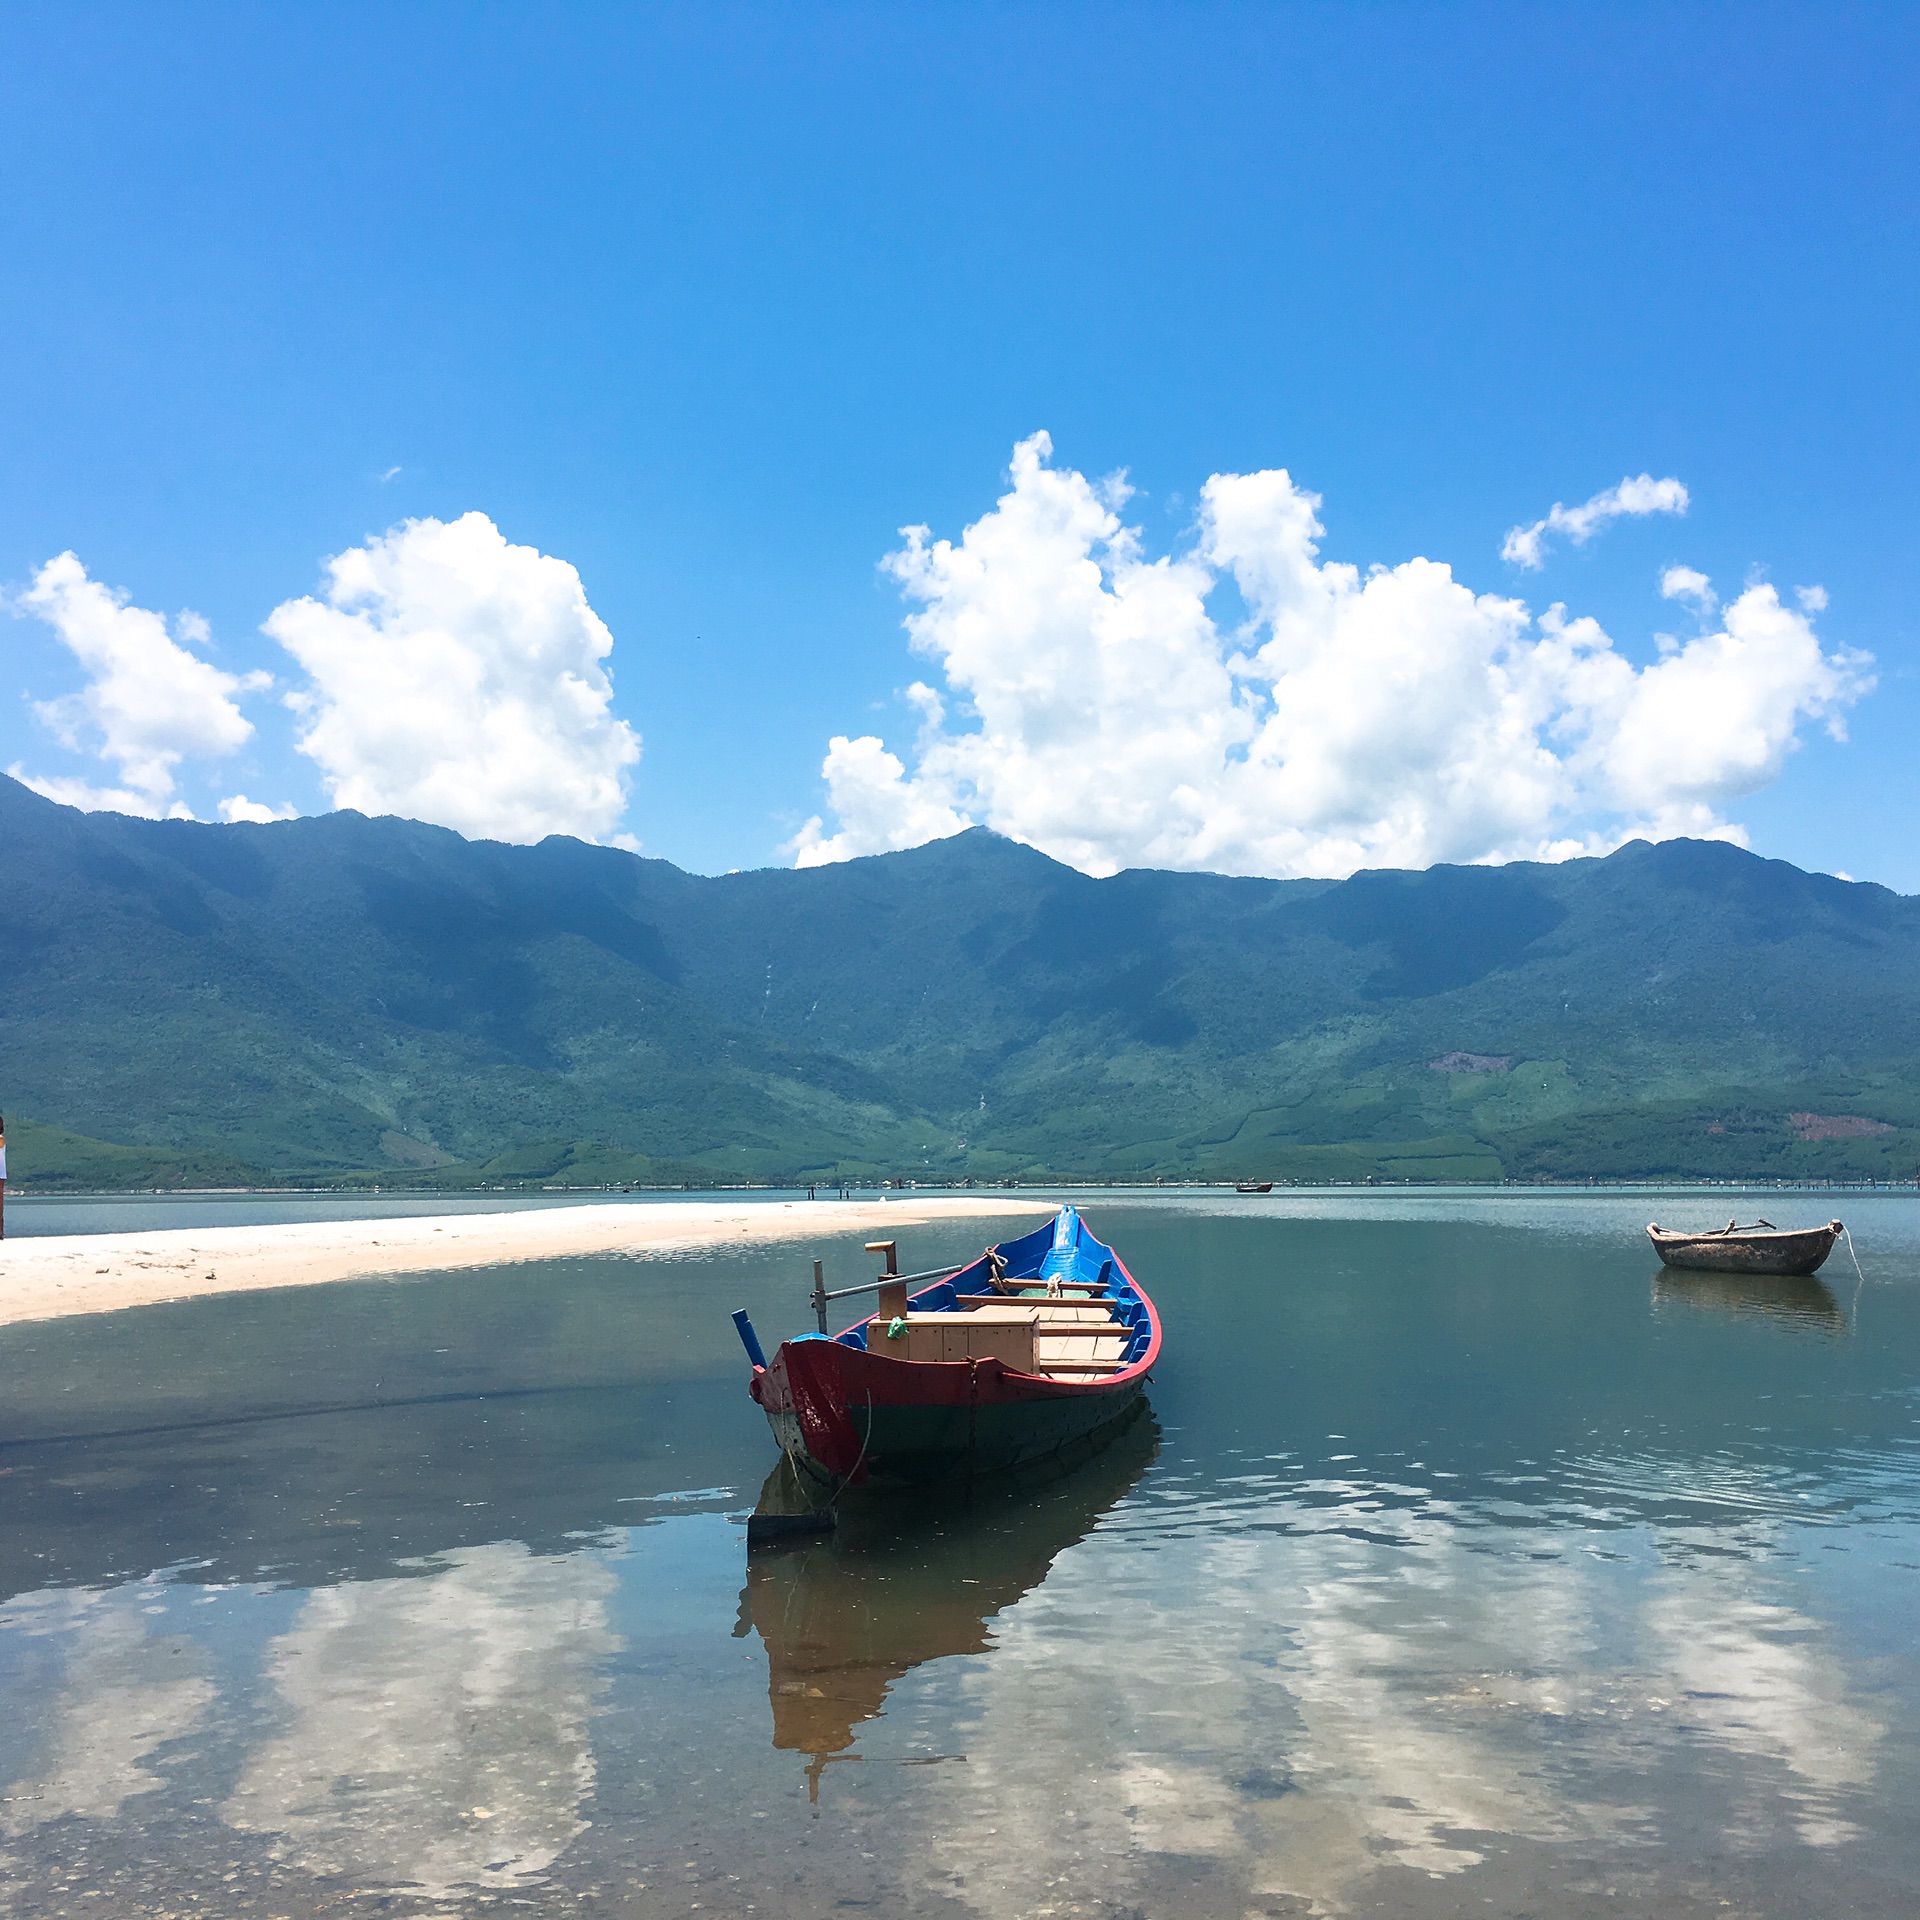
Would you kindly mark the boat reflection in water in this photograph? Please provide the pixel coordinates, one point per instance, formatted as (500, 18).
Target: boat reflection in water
(905, 1579)
(1796, 1300)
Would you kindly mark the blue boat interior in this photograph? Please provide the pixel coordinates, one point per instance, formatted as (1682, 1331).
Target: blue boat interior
(1061, 1250)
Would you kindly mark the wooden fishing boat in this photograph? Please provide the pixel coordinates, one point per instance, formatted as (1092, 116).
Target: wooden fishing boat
(1760, 1248)
(1041, 1344)
(1253, 1186)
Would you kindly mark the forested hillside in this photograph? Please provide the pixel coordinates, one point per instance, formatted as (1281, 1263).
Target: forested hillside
(339, 996)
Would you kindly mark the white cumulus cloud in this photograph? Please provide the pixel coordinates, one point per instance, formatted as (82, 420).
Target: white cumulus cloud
(1526, 546)
(1689, 584)
(238, 807)
(457, 678)
(879, 808)
(1386, 718)
(149, 701)
(71, 791)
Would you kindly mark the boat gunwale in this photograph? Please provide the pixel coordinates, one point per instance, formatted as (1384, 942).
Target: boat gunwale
(1830, 1230)
(1134, 1369)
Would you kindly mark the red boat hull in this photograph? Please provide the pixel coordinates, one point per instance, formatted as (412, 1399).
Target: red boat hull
(860, 1419)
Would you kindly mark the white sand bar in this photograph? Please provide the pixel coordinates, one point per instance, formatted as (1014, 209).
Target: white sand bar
(47, 1275)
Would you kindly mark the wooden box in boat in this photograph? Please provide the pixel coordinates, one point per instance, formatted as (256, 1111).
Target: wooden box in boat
(1760, 1248)
(988, 1333)
(1043, 1338)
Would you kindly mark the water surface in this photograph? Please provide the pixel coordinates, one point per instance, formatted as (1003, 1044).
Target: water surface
(1467, 1564)
(33, 1214)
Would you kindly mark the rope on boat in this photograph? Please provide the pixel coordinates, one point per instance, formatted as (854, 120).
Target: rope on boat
(1846, 1233)
(859, 1459)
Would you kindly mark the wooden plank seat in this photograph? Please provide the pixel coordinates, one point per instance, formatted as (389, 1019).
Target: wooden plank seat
(1079, 1339)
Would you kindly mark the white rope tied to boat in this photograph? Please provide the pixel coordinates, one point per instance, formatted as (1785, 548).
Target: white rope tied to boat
(1846, 1233)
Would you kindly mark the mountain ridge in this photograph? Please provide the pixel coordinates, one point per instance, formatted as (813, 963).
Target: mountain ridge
(337, 996)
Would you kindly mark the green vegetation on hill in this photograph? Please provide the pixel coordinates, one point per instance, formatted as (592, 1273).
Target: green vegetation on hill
(55, 1160)
(341, 997)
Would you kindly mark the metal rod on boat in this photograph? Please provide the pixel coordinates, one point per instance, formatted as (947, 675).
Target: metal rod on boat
(890, 1280)
(820, 1295)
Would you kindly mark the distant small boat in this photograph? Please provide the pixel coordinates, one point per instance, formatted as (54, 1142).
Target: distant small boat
(1253, 1186)
(1042, 1344)
(1760, 1248)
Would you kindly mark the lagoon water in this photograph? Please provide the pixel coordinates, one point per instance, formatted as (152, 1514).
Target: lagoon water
(32, 1215)
(1468, 1565)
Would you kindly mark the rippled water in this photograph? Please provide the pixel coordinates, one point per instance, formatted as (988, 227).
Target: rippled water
(1468, 1564)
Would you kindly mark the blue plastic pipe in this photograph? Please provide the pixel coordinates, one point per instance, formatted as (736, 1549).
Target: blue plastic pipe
(748, 1338)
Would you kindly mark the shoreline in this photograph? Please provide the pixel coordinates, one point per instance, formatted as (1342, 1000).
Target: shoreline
(48, 1277)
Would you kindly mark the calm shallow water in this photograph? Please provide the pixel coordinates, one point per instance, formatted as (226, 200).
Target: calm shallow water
(1467, 1566)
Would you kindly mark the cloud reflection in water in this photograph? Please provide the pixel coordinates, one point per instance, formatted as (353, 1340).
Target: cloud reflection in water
(124, 1693)
(1322, 1704)
(437, 1728)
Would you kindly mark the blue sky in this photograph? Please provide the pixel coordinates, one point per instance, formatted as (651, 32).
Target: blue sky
(708, 303)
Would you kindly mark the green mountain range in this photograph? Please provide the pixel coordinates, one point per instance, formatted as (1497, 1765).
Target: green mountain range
(345, 998)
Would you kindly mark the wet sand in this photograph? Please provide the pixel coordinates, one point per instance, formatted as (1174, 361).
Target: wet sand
(45, 1277)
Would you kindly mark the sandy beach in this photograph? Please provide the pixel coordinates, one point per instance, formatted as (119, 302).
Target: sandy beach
(45, 1277)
